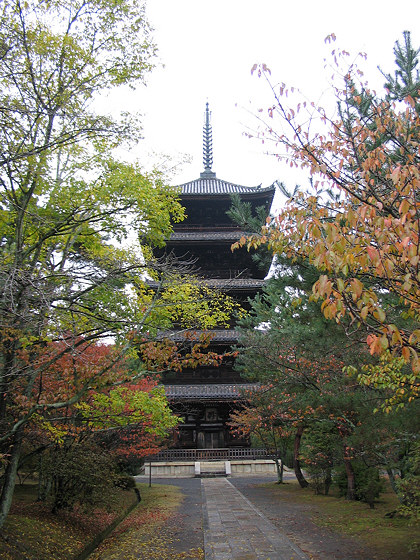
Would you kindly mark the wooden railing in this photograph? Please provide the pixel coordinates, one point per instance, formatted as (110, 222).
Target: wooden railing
(222, 454)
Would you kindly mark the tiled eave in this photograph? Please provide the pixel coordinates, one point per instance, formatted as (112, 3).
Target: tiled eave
(225, 284)
(229, 336)
(235, 283)
(203, 236)
(205, 186)
(235, 391)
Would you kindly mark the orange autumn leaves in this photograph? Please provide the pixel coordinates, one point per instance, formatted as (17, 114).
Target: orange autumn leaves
(359, 226)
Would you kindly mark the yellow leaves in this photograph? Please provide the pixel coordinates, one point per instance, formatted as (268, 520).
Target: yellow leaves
(404, 207)
(388, 267)
(379, 314)
(341, 285)
(364, 312)
(377, 344)
(408, 284)
(357, 288)
(414, 337)
(190, 304)
(323, 287)
(315, 231)
(391, 373)
(54, 432)
(383, 341)
(329, 309)
(396, 338)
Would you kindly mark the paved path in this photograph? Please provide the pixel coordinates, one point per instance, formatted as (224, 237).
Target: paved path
(234, 529)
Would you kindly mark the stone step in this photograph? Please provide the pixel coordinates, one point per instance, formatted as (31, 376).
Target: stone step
(211, 474)
(212, 465)
(207, 469)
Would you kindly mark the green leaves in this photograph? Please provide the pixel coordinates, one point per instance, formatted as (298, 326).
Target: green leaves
(71, 215)
(130, 406)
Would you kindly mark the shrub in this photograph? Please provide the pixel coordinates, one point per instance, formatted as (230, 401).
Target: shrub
(79, 473)
(124, 481)
(368, 483)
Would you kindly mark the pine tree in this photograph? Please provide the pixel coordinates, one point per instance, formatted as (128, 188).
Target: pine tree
(406, 79)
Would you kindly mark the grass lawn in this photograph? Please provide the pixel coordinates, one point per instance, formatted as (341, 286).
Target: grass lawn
(391, 537)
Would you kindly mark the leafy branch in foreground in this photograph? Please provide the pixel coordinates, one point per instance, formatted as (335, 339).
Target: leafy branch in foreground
(364, 242)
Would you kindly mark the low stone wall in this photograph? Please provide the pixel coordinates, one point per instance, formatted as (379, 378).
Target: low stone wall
(258, 466)
(191, 468)
(168, 469)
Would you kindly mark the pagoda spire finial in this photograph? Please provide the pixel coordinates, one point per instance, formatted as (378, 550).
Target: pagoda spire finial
(207, 146)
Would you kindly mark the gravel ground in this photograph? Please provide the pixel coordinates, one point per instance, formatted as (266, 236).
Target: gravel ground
(294, 519)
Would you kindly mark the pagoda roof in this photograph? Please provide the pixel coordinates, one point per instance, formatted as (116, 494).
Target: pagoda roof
(224, 283)
(205, 186)
(229, 236)
(217, 335)
(209, 391)
(234, 283)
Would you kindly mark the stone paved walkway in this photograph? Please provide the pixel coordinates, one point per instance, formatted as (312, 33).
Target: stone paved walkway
(234, 529)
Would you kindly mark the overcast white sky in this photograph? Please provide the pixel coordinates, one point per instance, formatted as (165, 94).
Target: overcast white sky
(208, 49)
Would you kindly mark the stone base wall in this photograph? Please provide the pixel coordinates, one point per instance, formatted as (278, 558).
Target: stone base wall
(258, 466)
(185, 469)
(176, 468)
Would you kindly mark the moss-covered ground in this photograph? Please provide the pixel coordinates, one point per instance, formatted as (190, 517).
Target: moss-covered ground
(32, 532)
(390, 535)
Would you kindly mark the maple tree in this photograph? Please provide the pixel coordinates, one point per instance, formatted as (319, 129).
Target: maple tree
(262, 420)
(132, 420)
(358, 225)
(354, 237)
(106, 409)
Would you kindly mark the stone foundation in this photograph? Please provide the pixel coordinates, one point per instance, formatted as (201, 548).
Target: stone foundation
(185, 469)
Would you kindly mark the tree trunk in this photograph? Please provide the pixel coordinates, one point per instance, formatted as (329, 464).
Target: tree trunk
(390, 473)
(44, 483)
(280, 468)
(296, 463)
(351, 486)
(327, 481)
(10, 478)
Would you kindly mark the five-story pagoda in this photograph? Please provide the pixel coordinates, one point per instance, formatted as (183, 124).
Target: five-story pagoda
(205, 397)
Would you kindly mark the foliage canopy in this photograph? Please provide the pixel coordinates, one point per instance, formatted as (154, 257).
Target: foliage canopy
(359, 225)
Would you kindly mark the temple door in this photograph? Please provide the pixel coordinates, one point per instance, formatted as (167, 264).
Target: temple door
(213, 440)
